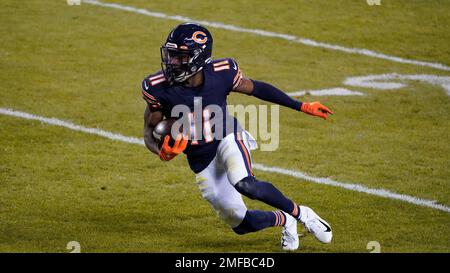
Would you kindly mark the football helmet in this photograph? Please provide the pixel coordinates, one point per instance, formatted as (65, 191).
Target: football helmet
(187, 49)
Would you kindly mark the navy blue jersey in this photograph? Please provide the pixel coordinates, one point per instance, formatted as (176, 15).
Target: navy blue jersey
(220, 77)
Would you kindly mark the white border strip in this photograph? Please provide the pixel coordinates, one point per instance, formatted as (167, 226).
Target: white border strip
(261, 167)
(292, 38)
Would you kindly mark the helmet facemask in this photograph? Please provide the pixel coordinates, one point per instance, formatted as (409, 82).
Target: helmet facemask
(179, 65)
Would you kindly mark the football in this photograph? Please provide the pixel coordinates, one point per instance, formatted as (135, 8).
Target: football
(162, 129)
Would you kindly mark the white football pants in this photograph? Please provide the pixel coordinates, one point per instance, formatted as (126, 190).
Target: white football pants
(231, 164)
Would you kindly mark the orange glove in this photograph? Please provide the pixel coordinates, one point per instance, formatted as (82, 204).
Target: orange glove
(315, 109)
(168, 153)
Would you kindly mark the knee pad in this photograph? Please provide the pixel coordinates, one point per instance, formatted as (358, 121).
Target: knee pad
(248, 186)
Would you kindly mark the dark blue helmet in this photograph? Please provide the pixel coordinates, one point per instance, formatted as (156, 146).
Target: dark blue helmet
(187, 49)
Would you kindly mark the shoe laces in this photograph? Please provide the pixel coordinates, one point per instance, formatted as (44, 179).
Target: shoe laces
(314, 224)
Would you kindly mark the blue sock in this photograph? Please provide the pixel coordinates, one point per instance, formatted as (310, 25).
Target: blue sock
(255, 220)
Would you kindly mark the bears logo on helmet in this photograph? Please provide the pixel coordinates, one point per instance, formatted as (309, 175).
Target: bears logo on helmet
(200, 40)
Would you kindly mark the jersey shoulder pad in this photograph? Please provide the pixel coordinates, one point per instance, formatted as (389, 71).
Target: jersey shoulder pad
(222, 64)
(154, 80)
(151, 89)
(230, 69)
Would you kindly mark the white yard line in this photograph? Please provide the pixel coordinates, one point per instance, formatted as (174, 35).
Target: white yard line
(264, 33)
(72, 126)
(354, 187)
(390, 81)
(293, 173)
(338, 91)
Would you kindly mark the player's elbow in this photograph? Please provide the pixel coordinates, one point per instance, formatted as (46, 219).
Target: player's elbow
(149, 141)
(245, 86)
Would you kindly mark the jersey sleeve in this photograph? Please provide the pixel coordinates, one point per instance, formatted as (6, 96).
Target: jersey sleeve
(151, 94)
(230, 71)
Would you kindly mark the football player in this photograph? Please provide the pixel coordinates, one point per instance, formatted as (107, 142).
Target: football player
(222, 166)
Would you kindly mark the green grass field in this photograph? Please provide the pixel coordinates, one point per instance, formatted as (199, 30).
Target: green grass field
(84, 64)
